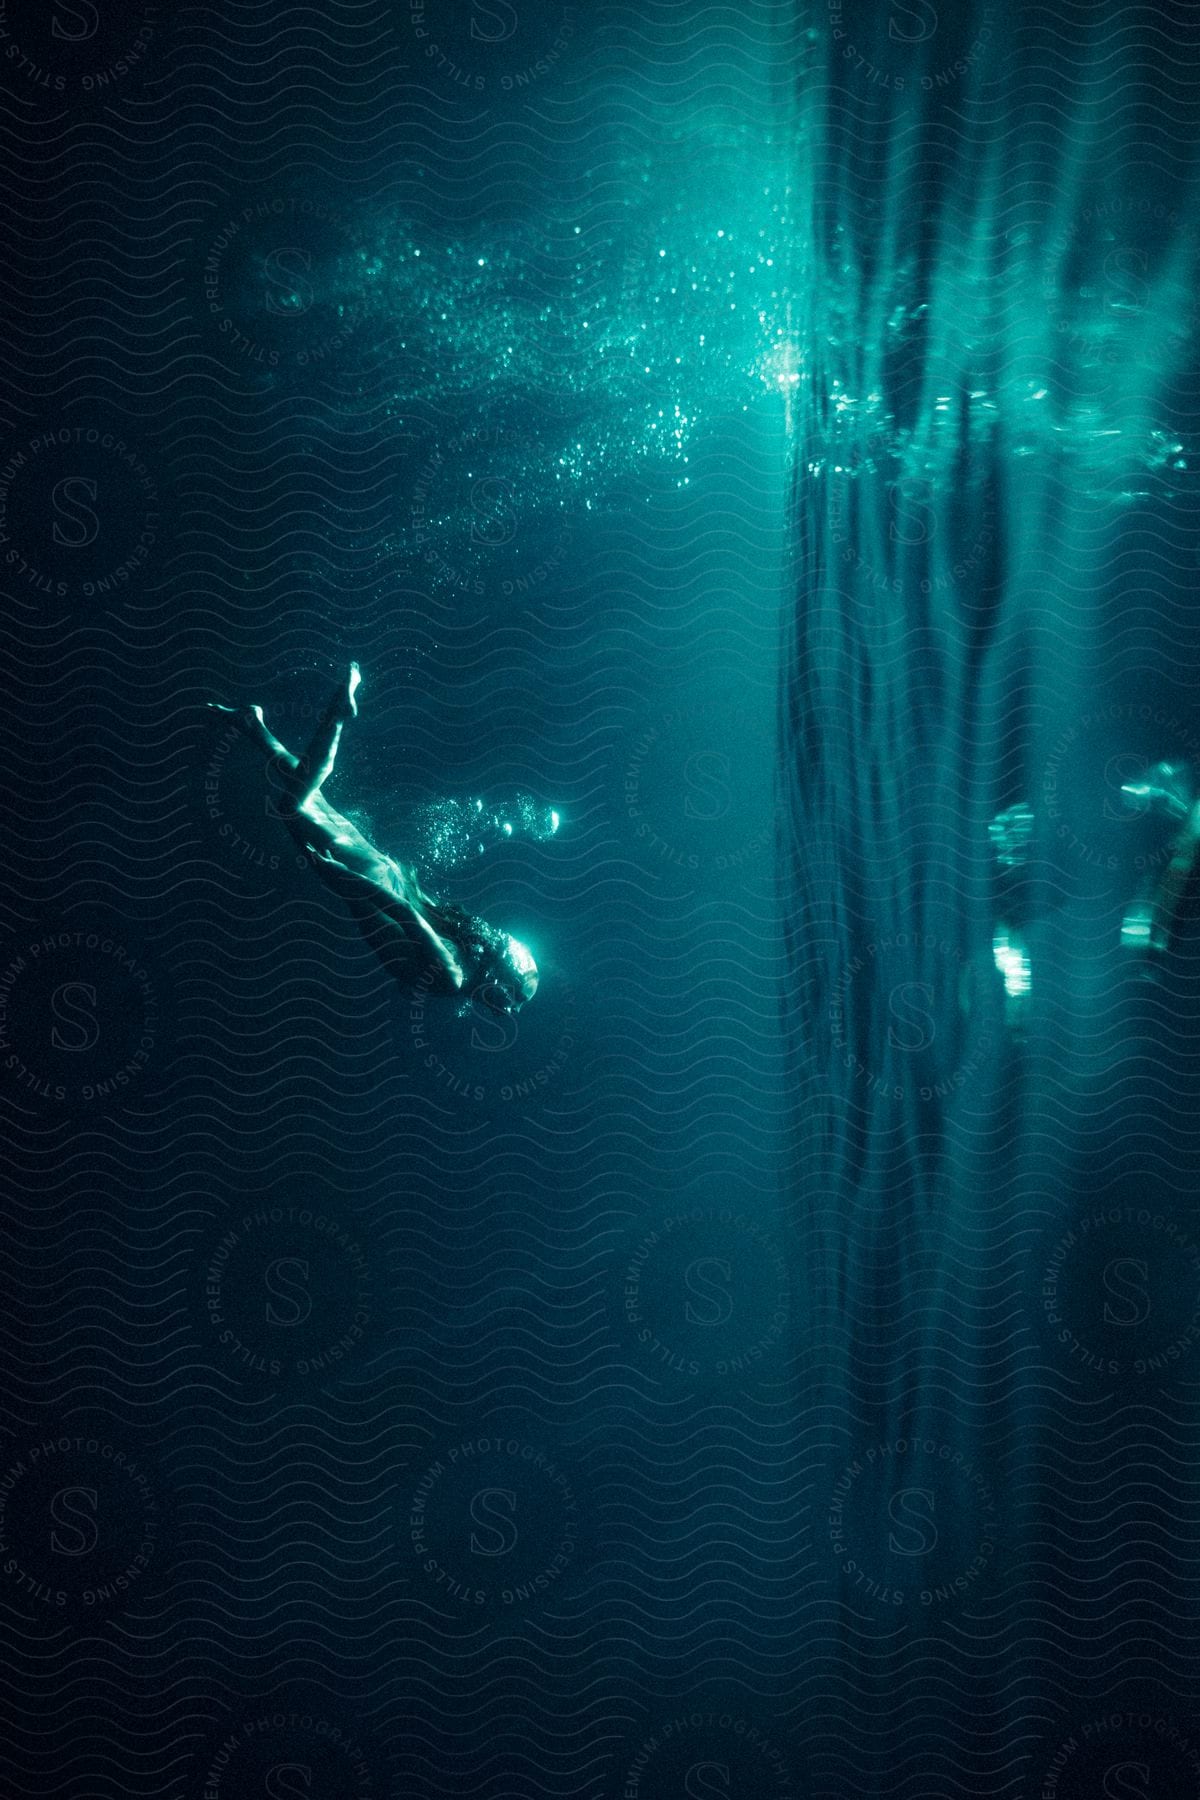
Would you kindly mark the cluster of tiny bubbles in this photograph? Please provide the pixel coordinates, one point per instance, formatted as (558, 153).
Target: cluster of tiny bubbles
(450, 833)
(589, 347)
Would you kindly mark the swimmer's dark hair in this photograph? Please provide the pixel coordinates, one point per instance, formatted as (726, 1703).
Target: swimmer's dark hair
(491, 975)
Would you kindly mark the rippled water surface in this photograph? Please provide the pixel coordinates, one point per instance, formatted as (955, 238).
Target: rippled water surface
(995, 531)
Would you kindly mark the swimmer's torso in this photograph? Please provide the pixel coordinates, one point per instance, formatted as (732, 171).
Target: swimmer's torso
(383, 895)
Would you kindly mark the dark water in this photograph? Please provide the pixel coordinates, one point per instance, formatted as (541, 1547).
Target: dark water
(765, 1367)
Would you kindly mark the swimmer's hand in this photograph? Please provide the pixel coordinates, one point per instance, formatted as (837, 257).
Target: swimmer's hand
(1166, 788)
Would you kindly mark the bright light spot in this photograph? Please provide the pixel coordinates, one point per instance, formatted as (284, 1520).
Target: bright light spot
(522, 959)
(1012, 961)
(1136, 930)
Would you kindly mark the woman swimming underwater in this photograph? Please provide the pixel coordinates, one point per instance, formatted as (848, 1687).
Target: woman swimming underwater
(415, 937)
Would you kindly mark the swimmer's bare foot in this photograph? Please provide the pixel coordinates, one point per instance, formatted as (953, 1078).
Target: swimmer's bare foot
(343, 705)
(349, 707)
(247, 717)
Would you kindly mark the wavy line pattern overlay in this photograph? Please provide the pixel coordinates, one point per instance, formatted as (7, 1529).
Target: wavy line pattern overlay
(749, 450)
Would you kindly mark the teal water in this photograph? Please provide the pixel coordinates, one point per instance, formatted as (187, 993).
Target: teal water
(994, 503)
(761, 439)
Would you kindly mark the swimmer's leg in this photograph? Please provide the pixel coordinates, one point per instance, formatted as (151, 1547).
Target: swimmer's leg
(250, 722)
(314, 768)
